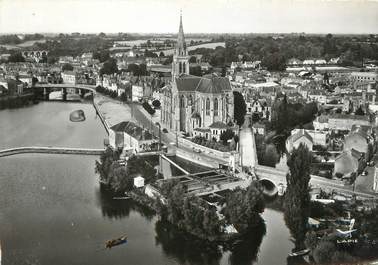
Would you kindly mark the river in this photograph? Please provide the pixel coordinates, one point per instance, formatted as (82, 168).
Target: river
(53, 211)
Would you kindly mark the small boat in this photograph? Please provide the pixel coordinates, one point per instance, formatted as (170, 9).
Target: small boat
(115, 242)
(299, 253)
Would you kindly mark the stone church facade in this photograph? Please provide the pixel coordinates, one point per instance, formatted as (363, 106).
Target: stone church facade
(191, 102)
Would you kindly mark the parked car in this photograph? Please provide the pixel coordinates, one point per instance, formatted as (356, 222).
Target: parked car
(371, 163)
(196, 150)
(165, 130)
(364, 173)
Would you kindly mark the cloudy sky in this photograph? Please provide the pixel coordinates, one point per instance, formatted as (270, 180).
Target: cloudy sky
(236, 16)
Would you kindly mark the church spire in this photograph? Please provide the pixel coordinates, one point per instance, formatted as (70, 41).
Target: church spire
(181, 45)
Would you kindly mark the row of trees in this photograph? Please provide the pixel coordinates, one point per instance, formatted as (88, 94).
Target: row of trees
(106, 91)
(14, 39)
(274, 53)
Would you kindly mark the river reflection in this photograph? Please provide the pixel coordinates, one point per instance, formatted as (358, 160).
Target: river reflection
(119, 209)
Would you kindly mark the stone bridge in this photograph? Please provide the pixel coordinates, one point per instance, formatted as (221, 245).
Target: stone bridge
(272, 179)
(46, 89)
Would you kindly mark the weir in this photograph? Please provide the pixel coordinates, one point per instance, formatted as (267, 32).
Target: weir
(50, 150)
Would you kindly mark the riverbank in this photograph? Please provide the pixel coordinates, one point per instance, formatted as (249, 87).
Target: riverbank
(11, 102)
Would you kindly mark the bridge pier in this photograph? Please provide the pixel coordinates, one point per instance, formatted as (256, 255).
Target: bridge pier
(64, 94)
(46, 93)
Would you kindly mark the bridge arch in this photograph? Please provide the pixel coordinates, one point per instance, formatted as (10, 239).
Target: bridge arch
(270, 188)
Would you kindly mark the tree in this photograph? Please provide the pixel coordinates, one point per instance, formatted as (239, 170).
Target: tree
(243, 207)
(16, 57)
(156, 103)
(271, 156)
(102, 55)
(195, 70)
(240, 108)
(226, 135)
(119, 180)
(192, 59)
(280, 114)
(297, 198)
(67, 67)
(102, 167)
(161, 54)
(109, 67)
(359, 111)
(323, 252)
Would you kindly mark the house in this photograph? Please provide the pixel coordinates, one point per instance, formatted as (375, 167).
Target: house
(359, 138)
(318, 137)
(294, 62)
(136, 93)
(258, 128)
(364, 77)
(216, 129)
(258, 107)
(317, 96)
(128, 135)
(308, 62)
(69, 77)
(297, 138)
(344, 122)
(349, 161)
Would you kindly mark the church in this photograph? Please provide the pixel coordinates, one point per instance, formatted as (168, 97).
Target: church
(191, 102)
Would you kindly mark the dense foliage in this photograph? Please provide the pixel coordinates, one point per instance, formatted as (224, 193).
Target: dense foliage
(110, 67)
(120, 177)
(243, 207)
(67, 67)
(240, 108)
(16, 102)
(286, 116)
(189, 213)
(297, 197)
(275, 52)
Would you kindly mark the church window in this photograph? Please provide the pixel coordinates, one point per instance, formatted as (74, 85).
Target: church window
(182, 102)
(215, 107)
(180, 68)
(183, 67)
(207, 106)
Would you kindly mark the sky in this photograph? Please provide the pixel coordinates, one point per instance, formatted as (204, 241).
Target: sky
(207, 16)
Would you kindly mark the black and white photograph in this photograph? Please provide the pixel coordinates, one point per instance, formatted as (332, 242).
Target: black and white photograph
(188, 132)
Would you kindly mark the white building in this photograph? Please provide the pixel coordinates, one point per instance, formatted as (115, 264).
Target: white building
(128, 135)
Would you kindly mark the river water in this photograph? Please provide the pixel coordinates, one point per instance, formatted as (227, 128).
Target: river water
(52, 210)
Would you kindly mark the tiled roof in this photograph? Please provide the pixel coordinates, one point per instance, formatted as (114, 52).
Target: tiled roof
(294, 137)
(218, 125)
(210, 85)
(348, 116)
(133, 130)
(202, 129)
(354, 153)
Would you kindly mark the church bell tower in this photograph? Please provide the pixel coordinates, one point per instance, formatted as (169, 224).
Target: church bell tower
(180, 64)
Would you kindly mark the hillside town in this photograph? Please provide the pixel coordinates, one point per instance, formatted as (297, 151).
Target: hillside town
(301, 131)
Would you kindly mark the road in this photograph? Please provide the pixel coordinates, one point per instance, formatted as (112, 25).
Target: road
(146, 120)
(247, 146)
